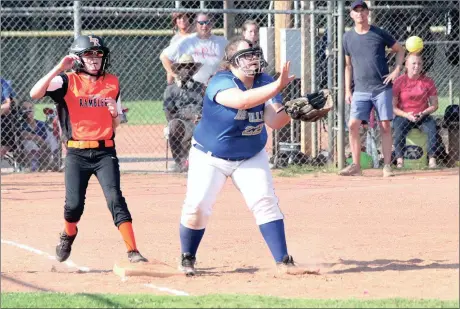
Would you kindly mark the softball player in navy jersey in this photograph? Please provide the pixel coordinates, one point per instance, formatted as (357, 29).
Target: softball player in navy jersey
(229, 141)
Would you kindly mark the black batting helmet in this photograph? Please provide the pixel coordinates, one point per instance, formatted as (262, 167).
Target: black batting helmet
(87, 43)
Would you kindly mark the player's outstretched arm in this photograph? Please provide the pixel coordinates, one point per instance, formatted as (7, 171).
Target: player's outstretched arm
(39, 89)
(275, 116)
(238, 99)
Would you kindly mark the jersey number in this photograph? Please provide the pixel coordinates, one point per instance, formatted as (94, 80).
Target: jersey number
(251, 130)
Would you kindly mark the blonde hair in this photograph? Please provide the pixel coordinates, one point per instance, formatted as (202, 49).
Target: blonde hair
(247, 23)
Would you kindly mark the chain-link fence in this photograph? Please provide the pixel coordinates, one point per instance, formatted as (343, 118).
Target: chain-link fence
(35, 35)
(429, 139)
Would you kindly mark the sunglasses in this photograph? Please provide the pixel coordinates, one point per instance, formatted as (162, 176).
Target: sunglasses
(93, 53)
(204, 22)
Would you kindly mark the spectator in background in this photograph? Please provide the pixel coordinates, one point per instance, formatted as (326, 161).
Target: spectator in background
(182, 28)
(183, 102)
(7, 118)
(250, 31)
(204, 47)
(415, 98)
(37, 140)
(365, 62)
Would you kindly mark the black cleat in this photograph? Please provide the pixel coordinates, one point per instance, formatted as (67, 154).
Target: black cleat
(64, 247)
(135, 257)
(287, 266)
(187, 265)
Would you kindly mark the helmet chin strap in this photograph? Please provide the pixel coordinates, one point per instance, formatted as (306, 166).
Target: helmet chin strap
(247, 71)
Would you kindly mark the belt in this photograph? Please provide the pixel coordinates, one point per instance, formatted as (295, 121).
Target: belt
(199, 147)
(91, 144)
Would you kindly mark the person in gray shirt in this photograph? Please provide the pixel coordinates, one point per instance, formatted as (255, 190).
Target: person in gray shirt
(365, 61)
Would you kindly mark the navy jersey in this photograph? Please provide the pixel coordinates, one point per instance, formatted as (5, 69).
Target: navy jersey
(228, 132)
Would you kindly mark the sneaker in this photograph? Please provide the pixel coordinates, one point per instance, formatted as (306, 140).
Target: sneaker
(64, 247)
(287, 266)
(187, 265)
(135, 257)
(387, 171)
(432, 163)
(351, 170)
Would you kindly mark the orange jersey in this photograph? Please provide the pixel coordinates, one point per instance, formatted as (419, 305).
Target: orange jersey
(83, 113)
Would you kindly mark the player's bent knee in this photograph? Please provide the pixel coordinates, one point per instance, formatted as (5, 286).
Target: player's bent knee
(266, 210)
(195, 217)
(73, 213)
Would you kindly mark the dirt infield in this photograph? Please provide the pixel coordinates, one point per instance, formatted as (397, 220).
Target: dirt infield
(371, 237)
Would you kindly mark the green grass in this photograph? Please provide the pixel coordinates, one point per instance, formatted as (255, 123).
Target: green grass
(298, 170)
(443, 103)
(140, 112)
(151, 112)
(59, 300)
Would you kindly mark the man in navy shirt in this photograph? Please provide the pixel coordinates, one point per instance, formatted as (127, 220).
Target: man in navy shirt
(366, 62)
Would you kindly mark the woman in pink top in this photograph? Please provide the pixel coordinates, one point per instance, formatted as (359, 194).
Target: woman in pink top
(415, 97)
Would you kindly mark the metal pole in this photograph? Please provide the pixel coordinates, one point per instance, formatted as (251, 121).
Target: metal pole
(76, 19)
(330, 58)
(202, 4)
(305, 75)
(177, 4)
(296, 16)
(314, 125)
(340, 86)
(451, 93)
(229, 20)
(269, 16)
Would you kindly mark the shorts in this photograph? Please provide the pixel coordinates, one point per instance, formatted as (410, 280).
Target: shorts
(363, 102)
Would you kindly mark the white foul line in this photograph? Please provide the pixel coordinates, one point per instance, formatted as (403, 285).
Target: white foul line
(68, 263)
(71, 264)
(163, 289)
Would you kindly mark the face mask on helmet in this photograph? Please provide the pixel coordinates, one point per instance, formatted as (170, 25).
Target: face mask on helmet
(90, 47)
(251, 61)
(93, 53)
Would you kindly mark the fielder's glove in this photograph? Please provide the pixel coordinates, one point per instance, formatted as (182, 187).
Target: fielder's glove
(310, 108)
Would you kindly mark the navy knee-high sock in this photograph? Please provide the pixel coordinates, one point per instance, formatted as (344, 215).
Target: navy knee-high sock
(273, 233)
(190, 239)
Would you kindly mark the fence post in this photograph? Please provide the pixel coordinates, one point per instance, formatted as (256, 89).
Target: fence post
(314, 125)
(281, 21)
(340, 86)
(330, 58)
(229, 20)
(305, 128)
(76, 19)
(296, 16)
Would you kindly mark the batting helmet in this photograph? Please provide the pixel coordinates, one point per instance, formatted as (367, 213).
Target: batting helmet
(90, 45)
